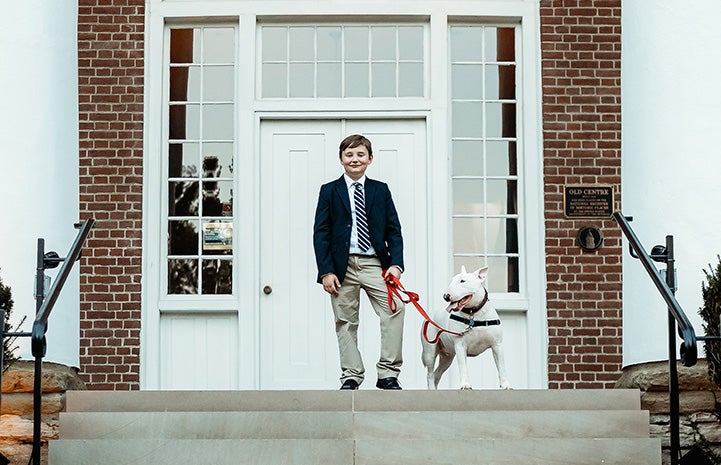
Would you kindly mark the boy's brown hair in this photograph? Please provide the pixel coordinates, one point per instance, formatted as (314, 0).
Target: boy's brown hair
(353, 141)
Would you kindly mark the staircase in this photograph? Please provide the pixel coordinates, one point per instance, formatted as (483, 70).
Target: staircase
(364, 427)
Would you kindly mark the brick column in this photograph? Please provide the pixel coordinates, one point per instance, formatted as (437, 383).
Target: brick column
(110, 67)
(581, 73)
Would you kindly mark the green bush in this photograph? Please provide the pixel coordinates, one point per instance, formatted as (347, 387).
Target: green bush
(6, 303)
(711, 292)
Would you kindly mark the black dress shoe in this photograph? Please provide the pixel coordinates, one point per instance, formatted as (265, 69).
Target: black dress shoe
(349, 384)
(388, 383)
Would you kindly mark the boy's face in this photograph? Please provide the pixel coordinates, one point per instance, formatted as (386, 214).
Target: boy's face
(355, 161)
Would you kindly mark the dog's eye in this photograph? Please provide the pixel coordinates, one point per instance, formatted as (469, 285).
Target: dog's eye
(463, 281)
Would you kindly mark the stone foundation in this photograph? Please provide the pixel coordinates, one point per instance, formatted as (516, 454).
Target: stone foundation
(16, 408)
(699, 405)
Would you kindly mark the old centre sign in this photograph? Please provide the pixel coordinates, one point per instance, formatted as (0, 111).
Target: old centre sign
(588, 201)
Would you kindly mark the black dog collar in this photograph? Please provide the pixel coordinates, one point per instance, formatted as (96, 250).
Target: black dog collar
(473, 323)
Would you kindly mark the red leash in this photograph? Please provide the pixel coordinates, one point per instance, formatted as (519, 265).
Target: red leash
(395, 287)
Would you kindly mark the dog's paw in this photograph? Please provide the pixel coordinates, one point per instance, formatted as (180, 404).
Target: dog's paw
(505, 385)
(466, 387)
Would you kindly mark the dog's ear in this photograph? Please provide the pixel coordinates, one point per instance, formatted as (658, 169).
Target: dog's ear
(463, 269)
(481, 273)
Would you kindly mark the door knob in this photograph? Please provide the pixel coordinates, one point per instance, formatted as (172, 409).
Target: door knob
(267, 290)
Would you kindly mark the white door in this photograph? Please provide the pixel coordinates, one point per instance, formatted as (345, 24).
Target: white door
(298, 348)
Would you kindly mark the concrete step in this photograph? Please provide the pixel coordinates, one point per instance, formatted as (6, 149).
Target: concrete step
(419, 427)
(407, 400)
(359, 425)
(361, 452)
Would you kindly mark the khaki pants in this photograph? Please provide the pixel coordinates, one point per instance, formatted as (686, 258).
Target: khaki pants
(365, 273)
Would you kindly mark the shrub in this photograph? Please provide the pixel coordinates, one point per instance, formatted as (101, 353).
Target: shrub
(711, 293)
(6, 303)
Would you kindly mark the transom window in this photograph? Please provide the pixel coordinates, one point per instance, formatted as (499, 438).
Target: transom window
(484, 176)
(342, 61)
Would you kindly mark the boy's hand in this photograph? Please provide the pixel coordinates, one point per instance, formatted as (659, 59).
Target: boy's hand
(395, 271)
(331, 284)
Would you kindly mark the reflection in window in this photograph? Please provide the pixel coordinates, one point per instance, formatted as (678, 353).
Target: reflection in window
(201, 145)
(484, 159)
(342, 61)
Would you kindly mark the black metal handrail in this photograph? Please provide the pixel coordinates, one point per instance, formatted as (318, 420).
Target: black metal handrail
(688, 349)
(677, 322)
(44, 307)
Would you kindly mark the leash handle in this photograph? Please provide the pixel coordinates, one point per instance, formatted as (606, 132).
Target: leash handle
(395, 287)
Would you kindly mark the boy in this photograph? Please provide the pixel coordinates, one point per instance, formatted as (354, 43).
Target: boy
(356, 235)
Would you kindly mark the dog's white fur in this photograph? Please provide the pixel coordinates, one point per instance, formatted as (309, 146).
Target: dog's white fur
(465, 291)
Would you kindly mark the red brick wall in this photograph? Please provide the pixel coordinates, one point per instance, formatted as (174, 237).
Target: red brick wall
(110, 69)
(581, 73)
(580, 42)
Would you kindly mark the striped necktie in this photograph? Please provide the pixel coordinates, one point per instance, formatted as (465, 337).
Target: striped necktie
(364, 242)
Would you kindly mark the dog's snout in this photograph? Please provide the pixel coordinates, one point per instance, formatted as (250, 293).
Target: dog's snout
(447, 297)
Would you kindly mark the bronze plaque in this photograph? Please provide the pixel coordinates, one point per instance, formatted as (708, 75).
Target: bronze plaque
(588, 201)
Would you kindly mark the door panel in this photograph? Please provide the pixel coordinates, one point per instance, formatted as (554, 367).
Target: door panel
(297, 350)
(298, 346)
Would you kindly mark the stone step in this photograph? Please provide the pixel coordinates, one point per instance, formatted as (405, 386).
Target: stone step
(360, 452)
(408, 400)
(359, 425)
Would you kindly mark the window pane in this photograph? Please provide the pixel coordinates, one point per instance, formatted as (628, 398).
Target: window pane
(500, 82)
(498, 196)
(217, 198)
(501, 120)
(183, 198)
(185, 45)
(218, 45)
(183, 160)
(329, 44)
(410, 82)
(183, 237)
(329, 80)
(218, 83)
(384, 79)
(274, 80)
(468, 197)
(356, 80)
(185, 84)
(275, 43)
(383, 43)
(218, 122)
(356, 43)
(472, 263)
(301, 80)
(467, 119)
(217, 277)
(410, 43)
(498, 235)
(501, 158)
(500, 44)
(467, 44)
(218, 160)
(468, 235)
(182, 276)
(302, 46)
(502, 274)
(217, 237)
(467, 81)
(184, 122)
(467, 158)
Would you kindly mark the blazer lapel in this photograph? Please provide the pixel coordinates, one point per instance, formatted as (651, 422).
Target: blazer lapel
(341, 189)
(369, 192)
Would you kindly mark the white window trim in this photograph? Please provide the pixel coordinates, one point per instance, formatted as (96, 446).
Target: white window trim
(248, 111)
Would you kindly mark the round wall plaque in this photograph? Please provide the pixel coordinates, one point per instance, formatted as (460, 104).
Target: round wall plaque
(589, 238)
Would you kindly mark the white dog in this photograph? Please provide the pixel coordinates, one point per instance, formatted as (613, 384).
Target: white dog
(471, 314)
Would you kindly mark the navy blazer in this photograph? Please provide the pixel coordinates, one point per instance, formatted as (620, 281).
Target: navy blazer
(333, 221)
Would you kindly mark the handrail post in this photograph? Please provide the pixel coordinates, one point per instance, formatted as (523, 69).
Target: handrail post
(673, 389)
(38, 372)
